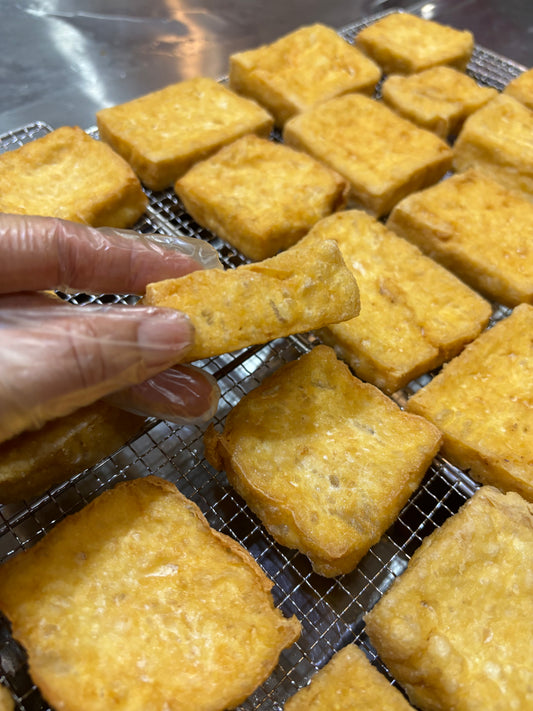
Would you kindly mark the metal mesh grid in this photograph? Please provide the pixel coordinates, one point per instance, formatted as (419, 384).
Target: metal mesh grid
(331, 610)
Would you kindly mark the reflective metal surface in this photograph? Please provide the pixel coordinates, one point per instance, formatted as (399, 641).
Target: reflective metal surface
(63, 60)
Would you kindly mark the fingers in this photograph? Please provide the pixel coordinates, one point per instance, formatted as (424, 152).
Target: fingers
(182, 394)
(48, 253)
(59, 359)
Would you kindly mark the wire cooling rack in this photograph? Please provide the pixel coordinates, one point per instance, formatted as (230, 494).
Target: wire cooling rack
(331, 610)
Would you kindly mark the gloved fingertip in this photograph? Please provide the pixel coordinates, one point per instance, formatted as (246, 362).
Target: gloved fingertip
(164, 337)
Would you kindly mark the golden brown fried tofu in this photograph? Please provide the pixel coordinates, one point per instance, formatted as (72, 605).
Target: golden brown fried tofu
(297, 71)
(260, 196)
(414, 313)
(141, 605)
(482, 403)
(348, 681)
(70, 175)
(33, 461)
(384, 157)
(7, 702)
(455, 628)
(326, 461)
(477, 229)
(303, 288)
(521, 88)
(438, 99)
(497, 140)
(402, 43)
(162, 134)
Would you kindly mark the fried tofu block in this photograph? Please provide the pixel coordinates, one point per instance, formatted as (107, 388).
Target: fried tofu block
(33, 461)
(497, 140)
(402, 43)
(477, 229)
(301, 69)
(482, 403)
(348, 681)
(162, 134)
(521, 88)
(7, 702)
(141, 605)
(260, 196)
(383, 156)
(326, 461)
(438, 99)
(455, 628)
(414, 313)
(70, 175)
(303, 288)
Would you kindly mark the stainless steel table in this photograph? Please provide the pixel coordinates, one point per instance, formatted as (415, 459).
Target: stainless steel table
(63, 60)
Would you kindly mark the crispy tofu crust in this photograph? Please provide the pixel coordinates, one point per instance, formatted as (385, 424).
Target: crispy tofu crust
(414, 313)
(455, 628)
(521, 88)
(7, 702)
(477, 229)
(403, 44)
(325, 460)
(438, 99)
(141, 605)
(260, 196)
(383, 156)
(497, 140)
(303, 288)
(33, 461)
(348, 681)
(70, 175)
(162, 134)
(301, 69)
(482, 403)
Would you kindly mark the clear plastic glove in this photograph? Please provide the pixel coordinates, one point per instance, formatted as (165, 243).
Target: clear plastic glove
(56, 357)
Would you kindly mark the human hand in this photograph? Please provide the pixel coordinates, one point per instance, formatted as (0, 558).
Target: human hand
(57, 357)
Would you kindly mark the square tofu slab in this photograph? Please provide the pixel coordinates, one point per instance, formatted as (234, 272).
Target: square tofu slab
(482, 403)
(302, 288)
(402, 43)
(439, 98)
(141, 605)
(164, 133)
(414, 313)
(260, 196)
(497, 140)
(455, 628)
(326, 461)
(521, 88)
(476, 228)
(297, 71)
(348, 681)
(70, 175)
(384, 157)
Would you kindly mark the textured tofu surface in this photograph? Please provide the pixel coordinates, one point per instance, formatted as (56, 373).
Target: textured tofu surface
(482, 403)
(439, 98)
(325, 460)
(414, 313)
(348, 681)
(521, 88)
(498, 141)
(70, 175)
(297, 71)
(455, 628)
(162, 134)
(402, 44)
(35, 460)
(383, 156)
(478, 229)
(303, 288)
(142, 606)
(260, 196)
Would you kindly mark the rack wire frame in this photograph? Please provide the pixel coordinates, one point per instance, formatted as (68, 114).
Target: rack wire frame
(331, 610)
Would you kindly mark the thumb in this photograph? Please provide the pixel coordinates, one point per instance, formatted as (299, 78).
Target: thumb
(59, 359)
